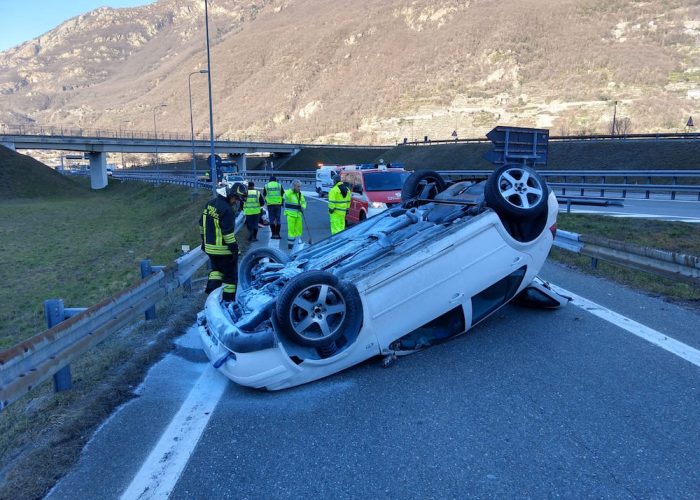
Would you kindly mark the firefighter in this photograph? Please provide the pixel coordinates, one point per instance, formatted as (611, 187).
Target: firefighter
(294, 206)
(338, 204)
(273, 197)
(217, 226)
(252, 208)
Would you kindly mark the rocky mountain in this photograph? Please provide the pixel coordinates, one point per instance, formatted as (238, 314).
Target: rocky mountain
(364, 70)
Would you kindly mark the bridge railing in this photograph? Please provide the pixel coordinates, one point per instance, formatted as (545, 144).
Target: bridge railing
(50, 131)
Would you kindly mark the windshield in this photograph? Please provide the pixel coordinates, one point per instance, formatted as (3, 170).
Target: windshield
(385, 181)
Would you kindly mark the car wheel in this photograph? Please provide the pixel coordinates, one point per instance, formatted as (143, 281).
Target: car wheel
(422, 184)
(363, 216)
(516, 192)
(255, 258)
(315, 309)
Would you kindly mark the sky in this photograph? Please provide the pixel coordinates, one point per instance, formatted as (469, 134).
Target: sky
(22, 20)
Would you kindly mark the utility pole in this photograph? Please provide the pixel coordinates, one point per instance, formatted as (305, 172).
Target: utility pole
(212, 162)
(155, 131)
(194, 162)
(614, 123)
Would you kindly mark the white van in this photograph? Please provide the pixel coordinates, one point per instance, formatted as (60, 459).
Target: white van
(324, 178)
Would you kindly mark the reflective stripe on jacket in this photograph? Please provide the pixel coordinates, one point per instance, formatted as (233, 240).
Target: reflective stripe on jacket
(336, 200)
(216, 226)
(294, 203)
(273, 193)
(252, 203)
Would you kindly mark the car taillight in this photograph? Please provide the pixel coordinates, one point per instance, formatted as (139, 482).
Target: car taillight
(553, 229)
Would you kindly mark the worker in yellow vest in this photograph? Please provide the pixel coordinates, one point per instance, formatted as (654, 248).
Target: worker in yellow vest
(294, 206)
(273, 197)
(252, 208)
(338, 204)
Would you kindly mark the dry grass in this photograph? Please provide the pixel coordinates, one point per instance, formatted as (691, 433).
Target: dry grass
(42, 435)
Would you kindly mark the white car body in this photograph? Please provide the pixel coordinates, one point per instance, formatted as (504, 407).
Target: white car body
(421, 271)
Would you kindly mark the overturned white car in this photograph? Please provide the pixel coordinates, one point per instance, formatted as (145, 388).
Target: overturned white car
(415, 275)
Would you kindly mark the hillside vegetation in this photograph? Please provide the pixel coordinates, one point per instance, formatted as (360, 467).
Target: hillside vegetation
(363, 70)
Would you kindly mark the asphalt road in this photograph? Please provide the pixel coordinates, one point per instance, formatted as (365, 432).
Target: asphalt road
(529, 404)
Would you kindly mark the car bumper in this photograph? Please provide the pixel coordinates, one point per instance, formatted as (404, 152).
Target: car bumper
(246, 359)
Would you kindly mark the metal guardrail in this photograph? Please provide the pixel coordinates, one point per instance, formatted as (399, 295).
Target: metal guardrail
(559, 180)
(50, 352)
(673, 265)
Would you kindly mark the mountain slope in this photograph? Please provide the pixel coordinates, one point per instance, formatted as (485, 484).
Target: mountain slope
(363, 70)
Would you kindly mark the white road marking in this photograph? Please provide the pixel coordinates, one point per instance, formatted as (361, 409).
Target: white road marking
(650, 335)
(161, 470)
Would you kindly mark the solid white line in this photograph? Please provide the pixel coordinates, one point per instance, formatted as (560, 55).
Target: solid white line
(650, 335)
(161, 470)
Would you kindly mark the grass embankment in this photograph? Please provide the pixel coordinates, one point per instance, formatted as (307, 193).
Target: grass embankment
(672, 236)
(86, 247)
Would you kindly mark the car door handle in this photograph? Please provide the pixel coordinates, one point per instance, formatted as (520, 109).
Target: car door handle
(457, 297)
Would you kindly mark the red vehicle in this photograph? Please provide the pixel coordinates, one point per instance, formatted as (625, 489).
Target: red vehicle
(374, 188)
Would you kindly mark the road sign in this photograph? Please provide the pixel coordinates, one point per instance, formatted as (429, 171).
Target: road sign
(454, 134)
(690, 122)
(526, 146)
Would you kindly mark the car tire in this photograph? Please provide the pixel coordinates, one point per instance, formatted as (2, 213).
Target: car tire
(255, 257)
(415, 185)
(315, 309)
(516, 192)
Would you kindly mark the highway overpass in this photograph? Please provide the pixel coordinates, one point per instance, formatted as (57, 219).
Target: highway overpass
(96, 146)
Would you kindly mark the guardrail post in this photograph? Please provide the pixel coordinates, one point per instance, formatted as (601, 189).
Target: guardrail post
(594, 262)
(55, 314)
(568, 206)
(147, 270)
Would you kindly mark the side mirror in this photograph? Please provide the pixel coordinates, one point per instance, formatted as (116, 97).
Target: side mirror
(357, 189)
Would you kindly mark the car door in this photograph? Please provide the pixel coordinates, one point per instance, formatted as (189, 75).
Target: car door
(353, 216)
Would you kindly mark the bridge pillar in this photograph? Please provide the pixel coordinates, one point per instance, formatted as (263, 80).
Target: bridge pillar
(241, 163)
(98, 170)
(8, 145)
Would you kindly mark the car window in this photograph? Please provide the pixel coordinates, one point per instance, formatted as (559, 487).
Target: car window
(493, 297)
(384, 181)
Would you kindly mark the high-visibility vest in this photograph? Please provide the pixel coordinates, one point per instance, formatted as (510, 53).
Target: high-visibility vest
(293, 203)
(273, 192)
(252, 203)
(337, 201)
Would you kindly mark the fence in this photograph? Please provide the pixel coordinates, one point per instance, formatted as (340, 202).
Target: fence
(673, 265)
(73, 331)
(564, 138)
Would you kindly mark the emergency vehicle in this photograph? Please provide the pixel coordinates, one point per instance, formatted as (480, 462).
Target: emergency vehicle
(374, 187)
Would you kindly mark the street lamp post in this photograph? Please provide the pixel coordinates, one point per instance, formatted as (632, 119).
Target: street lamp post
(194, 163)
(614, 123)
(155, 131)
(212, 163)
